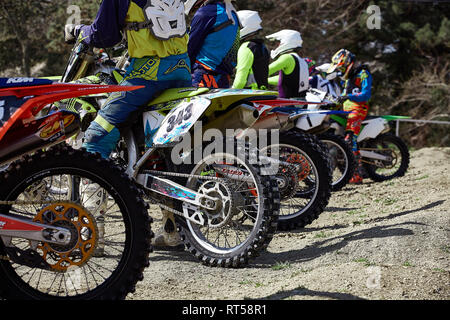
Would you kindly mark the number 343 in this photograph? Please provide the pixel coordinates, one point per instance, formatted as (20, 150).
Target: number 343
(178, 118)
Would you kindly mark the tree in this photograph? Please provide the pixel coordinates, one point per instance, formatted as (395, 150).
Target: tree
(23, 21)
(31, 32)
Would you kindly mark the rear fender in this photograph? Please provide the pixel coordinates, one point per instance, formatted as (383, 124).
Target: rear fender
(373, 128)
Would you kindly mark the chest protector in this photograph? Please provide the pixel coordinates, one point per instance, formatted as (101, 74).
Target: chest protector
(261, 61)
(164, 18)
(303, 74)
(297, 83)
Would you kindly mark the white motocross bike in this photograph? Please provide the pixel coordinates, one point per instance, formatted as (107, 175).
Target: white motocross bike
(384, 156)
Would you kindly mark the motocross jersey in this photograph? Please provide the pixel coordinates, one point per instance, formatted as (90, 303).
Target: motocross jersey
(253, 65)
(358, 88)
(214, 39)
(113, 18)
(293, 78)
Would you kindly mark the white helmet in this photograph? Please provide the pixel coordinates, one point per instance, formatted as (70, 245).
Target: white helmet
(250, 22)
(289, 40)
(189, 4)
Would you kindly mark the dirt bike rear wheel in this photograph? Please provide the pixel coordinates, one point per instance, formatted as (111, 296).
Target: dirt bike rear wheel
(313, 186)
(343, 161)
(390, 145)
(72, 271)
(231, 239)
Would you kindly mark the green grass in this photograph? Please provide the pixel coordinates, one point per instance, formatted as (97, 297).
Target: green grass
(422, 177)
(281, 266)
(353, 212)
(251, 283)
(408, 264)
(389, 201)
(321, 234)
(366, 262)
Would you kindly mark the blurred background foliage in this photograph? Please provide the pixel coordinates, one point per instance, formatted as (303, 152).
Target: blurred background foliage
(409, 55)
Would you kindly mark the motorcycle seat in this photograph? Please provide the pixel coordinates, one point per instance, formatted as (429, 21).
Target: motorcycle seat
(177, 94)
(22, 82)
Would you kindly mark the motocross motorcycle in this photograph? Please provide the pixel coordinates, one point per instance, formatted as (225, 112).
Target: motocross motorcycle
(343, 162)
(49, 232)
(304, 175)
(384, 156)
(303, 197)
(224, 198)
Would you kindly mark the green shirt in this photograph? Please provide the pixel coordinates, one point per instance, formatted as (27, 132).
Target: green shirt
(244, 67)
(285, 63)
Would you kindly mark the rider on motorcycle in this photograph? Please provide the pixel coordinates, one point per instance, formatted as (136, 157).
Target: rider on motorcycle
(292, 71)
(355, 96)
(253, 56)
(157, 46)
(213, 42)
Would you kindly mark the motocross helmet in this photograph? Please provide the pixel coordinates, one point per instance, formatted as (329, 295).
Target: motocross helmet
(342, 61)
(250, 22)
(289, 41)
(192, 5)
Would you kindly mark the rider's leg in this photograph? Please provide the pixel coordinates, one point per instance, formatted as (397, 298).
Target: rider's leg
(206, 78)
(354, 121)
(156, 75)
(103, 134)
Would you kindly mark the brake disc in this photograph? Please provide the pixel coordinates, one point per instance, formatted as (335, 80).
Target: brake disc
(301, 164)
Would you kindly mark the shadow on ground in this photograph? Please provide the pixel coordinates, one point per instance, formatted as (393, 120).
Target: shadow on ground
(301, 291)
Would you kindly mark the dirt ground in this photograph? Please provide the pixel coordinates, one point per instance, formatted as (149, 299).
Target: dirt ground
(388, 240)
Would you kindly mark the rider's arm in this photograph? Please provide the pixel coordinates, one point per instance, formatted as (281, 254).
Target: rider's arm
(201, 25)
(105, 31)
(285, 63)
(366, 88)
(244, 66)
(275, 80)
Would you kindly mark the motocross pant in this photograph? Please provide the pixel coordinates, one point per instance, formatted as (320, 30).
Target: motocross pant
(358, 113)
(156, 75)
(204, 77)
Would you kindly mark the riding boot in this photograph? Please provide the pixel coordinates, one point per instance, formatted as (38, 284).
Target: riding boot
(94, 198)
(357, 178)
(167, 238)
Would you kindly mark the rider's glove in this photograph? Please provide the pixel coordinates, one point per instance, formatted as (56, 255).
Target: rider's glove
(71, 33)
(341, 99)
